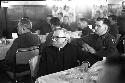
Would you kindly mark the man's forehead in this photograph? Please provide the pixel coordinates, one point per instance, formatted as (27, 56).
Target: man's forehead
(59, 33)
(99, 22)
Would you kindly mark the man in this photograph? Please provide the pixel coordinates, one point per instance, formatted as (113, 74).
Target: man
(60, 55)
(101, 44)
(87, 35)
(60, 16)
(83, 26)
(66, 23)
(25, 40)
(44, 26)
(106, 43)
(121, 23)
(55, 24)
(114, 70)
(113, 25)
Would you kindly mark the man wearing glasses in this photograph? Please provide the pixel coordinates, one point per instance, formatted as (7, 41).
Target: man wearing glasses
(60, 55)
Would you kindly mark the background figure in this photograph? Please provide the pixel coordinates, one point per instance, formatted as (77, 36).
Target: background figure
(55, 11)
(121, 23)
(55, 24)
(66, 23)
(83, 26)
(114, 28)
(60, 16)
(44, 26)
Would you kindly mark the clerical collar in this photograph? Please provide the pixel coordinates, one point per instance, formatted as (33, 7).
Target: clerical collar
(63, 47)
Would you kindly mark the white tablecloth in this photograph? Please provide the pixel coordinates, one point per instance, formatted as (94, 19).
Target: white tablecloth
(4, 49)
(55, 78)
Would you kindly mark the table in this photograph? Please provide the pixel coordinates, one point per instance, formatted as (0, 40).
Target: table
(4, 48)
(58, 77)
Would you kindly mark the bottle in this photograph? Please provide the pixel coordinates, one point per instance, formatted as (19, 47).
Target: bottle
(85, 65)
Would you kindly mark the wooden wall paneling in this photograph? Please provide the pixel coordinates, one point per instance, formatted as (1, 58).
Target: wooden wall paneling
(2, 21)
(36, 13)
(14, 14)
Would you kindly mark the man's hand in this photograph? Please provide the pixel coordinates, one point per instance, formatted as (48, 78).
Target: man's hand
(91, 50)
(37, 32)
(85, 48)
(88, 48)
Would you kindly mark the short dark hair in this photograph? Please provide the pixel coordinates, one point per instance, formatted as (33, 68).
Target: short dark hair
(114, 17)
(105, 20)
(26, 17)
(61, 14)
(50, 15)
(83, 19)
(55, 21)
(118, 60)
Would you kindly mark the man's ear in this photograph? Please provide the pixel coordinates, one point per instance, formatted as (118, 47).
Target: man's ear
(106, 27)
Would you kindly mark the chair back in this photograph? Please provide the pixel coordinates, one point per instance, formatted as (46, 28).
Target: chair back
(33, 65)
(23, 55)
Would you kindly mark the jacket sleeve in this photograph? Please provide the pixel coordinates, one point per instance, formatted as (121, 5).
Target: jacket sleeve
(49, 41)
(81, 55)
(11, 53)
(42, 65)
(110, 48)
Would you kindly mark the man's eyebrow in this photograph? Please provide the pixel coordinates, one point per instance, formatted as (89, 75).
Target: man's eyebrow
(58, 37)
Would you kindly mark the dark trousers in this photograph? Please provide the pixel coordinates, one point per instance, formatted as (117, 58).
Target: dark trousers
(5, 67)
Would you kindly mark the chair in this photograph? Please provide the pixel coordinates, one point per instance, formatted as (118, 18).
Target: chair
(23, 55)
(34, 67)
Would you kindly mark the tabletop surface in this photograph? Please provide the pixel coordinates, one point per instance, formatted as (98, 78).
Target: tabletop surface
(72, 75)
(4, 48)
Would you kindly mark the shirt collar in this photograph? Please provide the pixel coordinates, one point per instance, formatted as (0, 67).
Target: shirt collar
(104, 35)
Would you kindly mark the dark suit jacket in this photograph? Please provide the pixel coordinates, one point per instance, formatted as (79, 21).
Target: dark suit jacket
(66, 26)
(114, 30)
(52, 60)
(105, 45)
(121, 24)
(43, 26)
(25, 40)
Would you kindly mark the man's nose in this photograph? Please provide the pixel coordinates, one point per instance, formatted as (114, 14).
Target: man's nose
(96, 27)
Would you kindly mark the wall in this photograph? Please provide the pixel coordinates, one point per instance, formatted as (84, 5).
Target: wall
(3, 22)
(35, 12)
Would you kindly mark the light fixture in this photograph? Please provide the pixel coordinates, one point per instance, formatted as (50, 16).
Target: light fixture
(4, 4)
(4, 1)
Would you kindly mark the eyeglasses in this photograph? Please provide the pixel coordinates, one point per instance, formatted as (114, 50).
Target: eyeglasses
(98, 25)
(57, 37)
